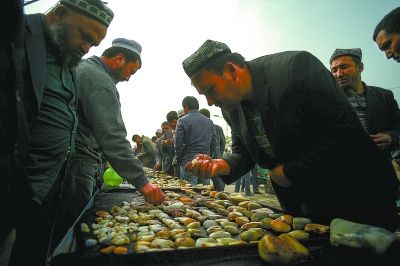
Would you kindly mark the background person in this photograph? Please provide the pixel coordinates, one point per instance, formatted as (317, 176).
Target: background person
(146, 150)
(195, 134)
(375, 107)
(219, 185)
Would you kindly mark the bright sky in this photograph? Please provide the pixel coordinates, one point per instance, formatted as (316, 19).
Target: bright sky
(169, 31)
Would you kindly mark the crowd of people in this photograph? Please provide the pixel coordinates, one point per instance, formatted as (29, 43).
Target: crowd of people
(325, 136)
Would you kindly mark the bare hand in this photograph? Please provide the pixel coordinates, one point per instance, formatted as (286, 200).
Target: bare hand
(157, 167)
(203, 166)
(279, 177)
(382, 140)
(152, 194)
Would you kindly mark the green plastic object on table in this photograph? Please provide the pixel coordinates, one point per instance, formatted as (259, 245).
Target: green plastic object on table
(111, 178)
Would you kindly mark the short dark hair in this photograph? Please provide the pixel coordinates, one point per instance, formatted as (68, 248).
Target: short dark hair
(129, 55)
(190, 102)
(218, 64)
(204, 112)
(135, 136)
(172, 115)
(390, 23)
(164, 123)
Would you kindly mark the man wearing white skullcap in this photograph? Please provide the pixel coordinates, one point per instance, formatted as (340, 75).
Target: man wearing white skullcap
(101, 128)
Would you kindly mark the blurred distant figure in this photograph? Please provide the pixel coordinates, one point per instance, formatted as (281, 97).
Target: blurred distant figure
(163, 159)
(146, 150)
(158, 133)
(168, 143)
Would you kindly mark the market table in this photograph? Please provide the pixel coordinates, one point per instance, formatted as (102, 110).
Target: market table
(72, 251)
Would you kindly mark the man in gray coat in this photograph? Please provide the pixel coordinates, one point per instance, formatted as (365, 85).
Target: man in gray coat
(101, 127)
(287, 114)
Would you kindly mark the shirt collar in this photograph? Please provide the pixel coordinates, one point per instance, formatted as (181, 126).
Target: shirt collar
(100, 62)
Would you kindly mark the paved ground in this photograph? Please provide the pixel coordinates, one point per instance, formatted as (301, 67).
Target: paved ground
(265, 198)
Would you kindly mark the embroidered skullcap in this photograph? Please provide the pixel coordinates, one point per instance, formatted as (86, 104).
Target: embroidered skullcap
(354, 52)
(159, 131)
(206, 54)
(94, 9)
(128, 44)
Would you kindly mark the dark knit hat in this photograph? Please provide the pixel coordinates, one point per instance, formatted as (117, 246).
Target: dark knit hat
(207, 52)
(94, 9)
(353, 52)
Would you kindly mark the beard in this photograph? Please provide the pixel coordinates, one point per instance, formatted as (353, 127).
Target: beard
(64, 53)
(118, 74)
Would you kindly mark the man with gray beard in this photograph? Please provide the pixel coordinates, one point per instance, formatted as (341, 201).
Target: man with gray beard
(53, 45)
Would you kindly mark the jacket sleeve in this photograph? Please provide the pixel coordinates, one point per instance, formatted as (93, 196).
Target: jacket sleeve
(222, 140)
(103, 112)
(214, 146)
(158, 151)
(179, 136)
(394, 120)
(319, 101)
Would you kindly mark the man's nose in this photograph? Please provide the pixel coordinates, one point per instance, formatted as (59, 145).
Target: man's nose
(210, 101)
(388, 54)
(338, 73)
(86, 47)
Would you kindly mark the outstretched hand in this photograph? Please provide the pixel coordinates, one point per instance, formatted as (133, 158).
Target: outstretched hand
(203, 166)
(152, 194)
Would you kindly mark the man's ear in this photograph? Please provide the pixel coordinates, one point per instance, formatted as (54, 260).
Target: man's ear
(231, 70)
(120, 59)
(361, 67)
(61, 12)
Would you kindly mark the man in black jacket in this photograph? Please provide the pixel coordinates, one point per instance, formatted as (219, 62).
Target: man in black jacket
(53, 44)
(376, 107)
(287, 114)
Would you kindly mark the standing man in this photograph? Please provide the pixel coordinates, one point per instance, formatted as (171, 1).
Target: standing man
(168, 143)
(162, 162)
(219, 185)
(53, 45)
(159, 133)
(387, 35)
(195, 134)
(287, 114)
(375, 107)
(102, 129)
